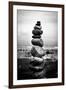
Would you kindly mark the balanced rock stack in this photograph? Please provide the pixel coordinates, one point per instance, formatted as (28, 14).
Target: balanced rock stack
(36, 64)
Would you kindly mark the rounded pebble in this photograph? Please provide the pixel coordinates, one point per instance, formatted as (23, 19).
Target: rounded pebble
(37, 42)
(37, 32)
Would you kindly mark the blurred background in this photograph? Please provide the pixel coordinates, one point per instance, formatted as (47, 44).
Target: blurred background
(26, 20)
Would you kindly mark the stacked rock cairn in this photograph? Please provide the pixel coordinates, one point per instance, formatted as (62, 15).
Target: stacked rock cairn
(37, 62)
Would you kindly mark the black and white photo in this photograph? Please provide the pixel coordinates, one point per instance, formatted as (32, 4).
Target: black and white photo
(36, 36)
(37, 57)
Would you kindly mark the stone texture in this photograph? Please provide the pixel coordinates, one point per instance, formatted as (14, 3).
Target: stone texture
(37, 32)
(36, 36)
(37, 51)
(38, 23)
(37, 27)
(37, 42)
(36, 68)
(39, 74)
(36, 61)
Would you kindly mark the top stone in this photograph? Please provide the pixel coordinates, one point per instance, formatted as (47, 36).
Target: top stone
(38, 25)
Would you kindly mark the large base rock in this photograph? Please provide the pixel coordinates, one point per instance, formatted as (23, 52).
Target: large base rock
(37, 68)
(39, 74)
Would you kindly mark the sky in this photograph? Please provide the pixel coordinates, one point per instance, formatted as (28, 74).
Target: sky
(26, 20)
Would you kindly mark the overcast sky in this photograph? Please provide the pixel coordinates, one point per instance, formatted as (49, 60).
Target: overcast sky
(27, 19)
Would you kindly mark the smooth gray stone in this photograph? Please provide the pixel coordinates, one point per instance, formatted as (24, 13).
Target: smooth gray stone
(37, 42)
(36, 36)
(37, 27)
(37, 32)
(37, 51)
(36, 68)
(35, 61)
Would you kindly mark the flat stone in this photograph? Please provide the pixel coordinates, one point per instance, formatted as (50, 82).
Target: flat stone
(36, 61)
(36, 36)
(36, 68)
(37, 32)
(37, 51)
(37, 42)
(37, 27)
